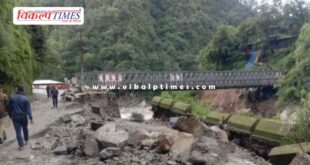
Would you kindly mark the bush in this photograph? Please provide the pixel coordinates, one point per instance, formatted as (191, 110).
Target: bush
(301, 133)
(199, 109)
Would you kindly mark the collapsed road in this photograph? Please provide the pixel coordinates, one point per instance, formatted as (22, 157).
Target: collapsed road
(102, 128)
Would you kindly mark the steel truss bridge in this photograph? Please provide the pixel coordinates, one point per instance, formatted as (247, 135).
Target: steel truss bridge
(185, 79)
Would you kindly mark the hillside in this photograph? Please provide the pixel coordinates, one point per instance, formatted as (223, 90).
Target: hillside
(143, 35)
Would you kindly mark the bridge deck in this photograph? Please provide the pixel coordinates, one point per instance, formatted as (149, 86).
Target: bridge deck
(217, 79)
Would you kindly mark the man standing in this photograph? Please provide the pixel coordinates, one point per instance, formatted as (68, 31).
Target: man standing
(4, 102)
(54, 94)
(48, 91)
(19, 112)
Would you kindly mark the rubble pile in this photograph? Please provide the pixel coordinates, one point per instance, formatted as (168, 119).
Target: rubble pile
(99, 135)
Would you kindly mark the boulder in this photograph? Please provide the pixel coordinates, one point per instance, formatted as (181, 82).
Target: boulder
(78, 119)
(189, 125)
(109, 153)
(163, 144)
(66, 119)
(221, 134)
(91, 148)
(137, 117)
(182, 147)
(60, 150)
(137, 136)
(301, 159)
(95, 125)
(108, 136)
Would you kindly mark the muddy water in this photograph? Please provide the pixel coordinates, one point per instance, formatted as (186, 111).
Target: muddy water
(140, 107)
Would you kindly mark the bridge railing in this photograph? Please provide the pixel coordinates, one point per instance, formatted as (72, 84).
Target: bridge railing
(220, 79)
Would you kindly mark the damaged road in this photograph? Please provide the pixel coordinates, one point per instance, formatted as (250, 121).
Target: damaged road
(96, 135)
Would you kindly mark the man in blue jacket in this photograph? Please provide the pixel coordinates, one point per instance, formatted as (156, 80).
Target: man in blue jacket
(19, 112)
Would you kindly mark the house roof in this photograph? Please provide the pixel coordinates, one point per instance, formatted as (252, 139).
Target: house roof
(36, 82)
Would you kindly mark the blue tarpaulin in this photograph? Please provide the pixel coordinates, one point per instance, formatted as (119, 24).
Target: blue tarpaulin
(251, 61)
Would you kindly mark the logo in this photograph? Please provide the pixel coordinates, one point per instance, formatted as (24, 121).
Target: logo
(48, 15)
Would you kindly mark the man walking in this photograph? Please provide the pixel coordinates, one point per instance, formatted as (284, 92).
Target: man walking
(20, 112)
(54, 94)
(48, 91)
(4, 121)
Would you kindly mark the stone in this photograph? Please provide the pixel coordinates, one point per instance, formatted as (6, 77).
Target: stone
(221, 134)
(109, 153)
(95, 125)
(301, 159)
(163, 144)
(37, 146)
(91, 148)
(189, 125)
(95, 109)
(78, 119)
(69, 98)
(182, 147)
(137, 136)
(171, 162)
(66, 119)
(137, 117)
(108, 136)
(60, 150)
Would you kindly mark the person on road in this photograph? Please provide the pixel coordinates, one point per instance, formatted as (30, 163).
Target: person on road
(20, 112)
(54, 93)
(48, 91)
(4, 121)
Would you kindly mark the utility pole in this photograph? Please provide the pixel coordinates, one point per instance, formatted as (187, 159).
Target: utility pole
(81, 58)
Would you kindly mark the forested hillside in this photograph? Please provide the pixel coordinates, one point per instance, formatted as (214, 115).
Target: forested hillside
(20, 51)
(142, 34)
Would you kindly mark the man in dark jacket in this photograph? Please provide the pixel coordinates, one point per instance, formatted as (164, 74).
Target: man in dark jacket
(54, 94)
(19, 112)
(48, 91)
(4, 121)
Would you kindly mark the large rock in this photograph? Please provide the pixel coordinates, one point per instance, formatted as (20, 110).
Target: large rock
(91, 148)
(60, 150)
(137, 136)
(189, 125)
(182, 147)
(301, 159)
(163, 144)
(221, 134)
(78, 119)
(109, 136)
(109, 153)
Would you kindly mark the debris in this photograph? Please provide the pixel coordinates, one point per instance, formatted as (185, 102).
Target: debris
(60, 150)
(109, 153)
(137, 136)
(301, 159)
(221, 134)
(66, 119)
(163, 144)
(189, 125)
(182, 147)
(78, 119)
(91, 148)
(108, 136)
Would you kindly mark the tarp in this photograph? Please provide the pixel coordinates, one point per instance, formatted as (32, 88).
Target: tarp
(251, 61)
